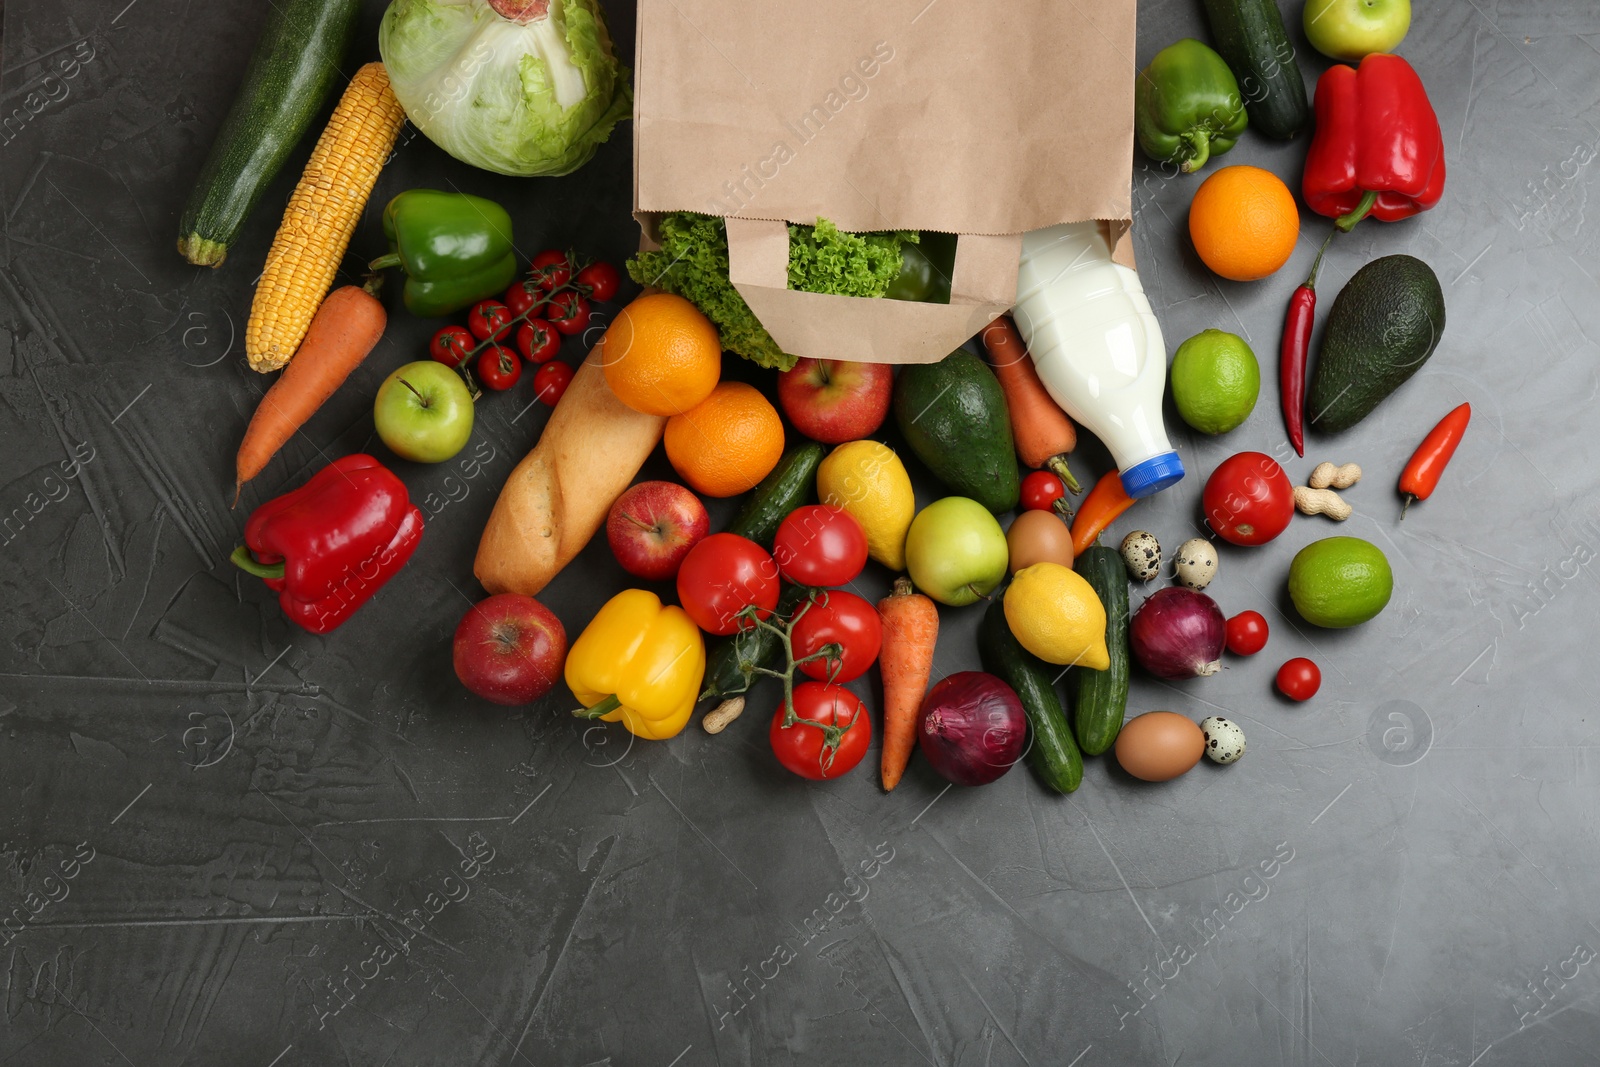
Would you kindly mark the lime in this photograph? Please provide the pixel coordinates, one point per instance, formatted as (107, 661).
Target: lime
(1340, 581)
(1215, 381)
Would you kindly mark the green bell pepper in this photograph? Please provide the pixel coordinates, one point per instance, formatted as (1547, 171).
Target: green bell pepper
(455, 249)
(925, 269)
(1187, 106)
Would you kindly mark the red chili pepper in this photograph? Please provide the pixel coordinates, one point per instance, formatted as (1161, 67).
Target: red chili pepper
(1297, 325)
(327, 546)
(1378, 147)
(1421, 476)
(1107, 500)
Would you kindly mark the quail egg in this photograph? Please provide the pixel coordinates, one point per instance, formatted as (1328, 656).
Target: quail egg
(1141, 552)
(1195, 564)
(1224, 739)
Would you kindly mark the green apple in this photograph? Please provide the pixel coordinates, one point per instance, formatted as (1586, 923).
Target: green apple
(1351, 29)
(423, 412)
(956, 551)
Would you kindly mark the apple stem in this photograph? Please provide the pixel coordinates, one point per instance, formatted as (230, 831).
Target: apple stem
(414, 392)
(978, 593)
(605, 707)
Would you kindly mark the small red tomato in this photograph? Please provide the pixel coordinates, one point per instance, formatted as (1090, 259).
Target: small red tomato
(837, 618)
(522, 295)
(602, 279)
(1299, 679)
(820, 545)
(488, 320)
(551, 381)
(1247, 633)
(451, 345)
(551, 269)
(1040, 491)
(498, 368)
(723, 575)
(537, 342)
(568, 312)
(1248, 499)
(803, 748)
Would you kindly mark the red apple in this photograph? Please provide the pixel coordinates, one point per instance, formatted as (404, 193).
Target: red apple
(836, 400)
(653, 526)
(509, 649)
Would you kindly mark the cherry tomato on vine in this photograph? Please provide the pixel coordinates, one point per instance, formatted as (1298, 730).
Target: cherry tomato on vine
(1247, 633)
(451, 344)
(1248, 499)
(538, 341)
(802, 748)
(522, 295)
(820, 545)
(837, 617)
(568, 312)
(723, 575)
(602, 279)
(1299, 679)
(488, 320)
(1040, 491)
(498, 368)
(551, 381)
(551, 269)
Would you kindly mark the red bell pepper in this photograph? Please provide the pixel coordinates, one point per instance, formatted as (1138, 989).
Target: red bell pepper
(327, 546)
(1377, 148)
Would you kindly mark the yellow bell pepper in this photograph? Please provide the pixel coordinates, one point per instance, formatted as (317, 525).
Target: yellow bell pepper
(638, 661)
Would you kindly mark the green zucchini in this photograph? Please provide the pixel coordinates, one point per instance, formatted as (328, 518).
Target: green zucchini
(1051, 752)
(731, 664)
(788, 486)
(1250, 36)
(1101, 697)
(294, 65)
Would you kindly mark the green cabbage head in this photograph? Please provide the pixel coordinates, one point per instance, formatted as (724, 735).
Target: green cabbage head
(520, 87)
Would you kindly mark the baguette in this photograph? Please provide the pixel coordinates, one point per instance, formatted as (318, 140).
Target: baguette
(561, 492)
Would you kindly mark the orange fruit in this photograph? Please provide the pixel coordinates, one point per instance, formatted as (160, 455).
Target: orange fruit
(728, 442)
(1244, 223)
(661, 355)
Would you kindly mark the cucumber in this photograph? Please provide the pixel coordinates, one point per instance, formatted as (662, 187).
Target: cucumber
(1100, 698)
(953, 415)
(780, 492)
(731, 664)
(1051, 752)
(294, 65)
(1250, 36)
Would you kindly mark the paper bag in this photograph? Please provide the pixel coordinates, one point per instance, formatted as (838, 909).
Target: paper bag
(980, 120)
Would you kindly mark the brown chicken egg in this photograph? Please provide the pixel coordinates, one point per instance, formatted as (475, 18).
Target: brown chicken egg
(1159, 745)
(1039, 537)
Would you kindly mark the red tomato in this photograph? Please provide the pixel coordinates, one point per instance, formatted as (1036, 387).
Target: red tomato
(551, 269)
(498, 368)
(568, 312)
(1248, 499)
(522, 295)
(602, 279)
(488, 320)
(537, 342)
(723, 575)
(451, 345)
(1247, 633)
(820, 545)
(803, 749)
(551, 381)
(1299, 679)
(844, 619)
(1040, 491)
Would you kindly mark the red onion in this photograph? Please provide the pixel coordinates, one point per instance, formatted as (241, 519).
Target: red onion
(972, 728)
(1178, 633)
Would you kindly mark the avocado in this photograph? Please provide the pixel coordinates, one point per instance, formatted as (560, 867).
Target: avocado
(1385, 323)
(953, 415)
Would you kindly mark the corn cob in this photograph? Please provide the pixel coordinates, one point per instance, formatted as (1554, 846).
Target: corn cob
(321, 217)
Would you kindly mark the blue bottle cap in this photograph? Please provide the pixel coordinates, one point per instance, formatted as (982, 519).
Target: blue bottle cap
(1153, 475)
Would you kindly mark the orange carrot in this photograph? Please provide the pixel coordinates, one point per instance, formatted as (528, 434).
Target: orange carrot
(910, 629)
(1043, 434)
(345, 328)
(1100, 509)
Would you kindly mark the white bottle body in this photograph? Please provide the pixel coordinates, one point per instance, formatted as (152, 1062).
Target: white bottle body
(1094, 340)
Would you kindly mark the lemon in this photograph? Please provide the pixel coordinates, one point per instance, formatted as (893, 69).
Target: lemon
(1340, 581)
(1057, 616)
(867, 479)
(1215, 381)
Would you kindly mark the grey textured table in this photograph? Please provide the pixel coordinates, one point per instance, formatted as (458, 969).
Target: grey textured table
(1398, 872)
